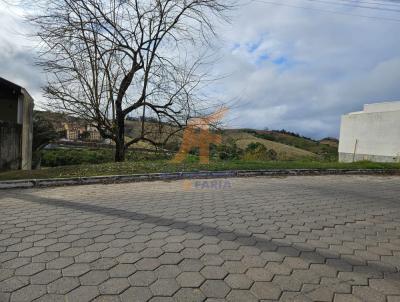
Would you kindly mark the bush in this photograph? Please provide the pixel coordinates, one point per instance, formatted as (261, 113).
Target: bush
(65, 157)
(43, 133)
(228, 151)
(257, 151)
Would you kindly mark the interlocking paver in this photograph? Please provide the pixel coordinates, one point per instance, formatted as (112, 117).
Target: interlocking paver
(167, 271)
(76, 270)
(240, 296)
(122, 270)
(214, 272)
(83, 294)
(12, 284)
(28, 293)
(164, 287)
(46, 277)
(259, 274)
(215, 288)
(63, 285)
(59, 263)
(147, 264)
(136, 294)
(30, 269)
(189, 295)
(266, 290)
(238, 281)
(190, 279)
(333, 238)
(142, 278)
(114, 286)
(94, 277)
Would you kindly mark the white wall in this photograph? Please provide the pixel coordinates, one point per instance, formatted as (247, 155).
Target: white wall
(382, 107)
(377, 133)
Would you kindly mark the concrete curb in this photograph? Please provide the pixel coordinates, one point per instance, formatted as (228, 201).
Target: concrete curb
(40, 183)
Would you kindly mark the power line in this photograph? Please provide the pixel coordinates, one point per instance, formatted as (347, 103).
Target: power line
(329, 11)
(373, 2)
(356, 6)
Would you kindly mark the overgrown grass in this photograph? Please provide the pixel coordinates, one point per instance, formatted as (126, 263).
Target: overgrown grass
(77, 156)
(326, 152)
(156, 166)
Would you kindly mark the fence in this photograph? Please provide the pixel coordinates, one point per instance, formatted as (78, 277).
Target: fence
(10, 146)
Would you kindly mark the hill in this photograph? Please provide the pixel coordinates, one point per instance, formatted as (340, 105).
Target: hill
(287, 145)
(325, 149)
(285, 152)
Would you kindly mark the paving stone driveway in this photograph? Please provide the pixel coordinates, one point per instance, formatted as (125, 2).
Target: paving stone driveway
(331, 238)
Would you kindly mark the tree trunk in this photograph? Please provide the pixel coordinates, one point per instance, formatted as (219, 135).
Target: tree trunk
(120, 141)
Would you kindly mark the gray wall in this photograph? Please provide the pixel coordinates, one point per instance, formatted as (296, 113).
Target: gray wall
(10, 146)
(351, 157)
(8, 110)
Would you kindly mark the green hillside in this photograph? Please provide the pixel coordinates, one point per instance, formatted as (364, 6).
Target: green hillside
(325, 149)
(287, 145)
(284, 151)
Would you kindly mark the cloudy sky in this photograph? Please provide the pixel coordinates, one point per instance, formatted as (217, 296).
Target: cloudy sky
(292, 64)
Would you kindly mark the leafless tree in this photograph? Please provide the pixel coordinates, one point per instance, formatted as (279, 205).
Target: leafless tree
(107, 59)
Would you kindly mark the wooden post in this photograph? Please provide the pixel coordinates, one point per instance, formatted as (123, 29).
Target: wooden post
(355, 150)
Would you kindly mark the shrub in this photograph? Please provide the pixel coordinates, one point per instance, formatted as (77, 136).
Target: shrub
(257, 151)
(228, 151)
(65, 157)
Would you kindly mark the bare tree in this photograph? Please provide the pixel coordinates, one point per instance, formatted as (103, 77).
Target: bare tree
(107, 59)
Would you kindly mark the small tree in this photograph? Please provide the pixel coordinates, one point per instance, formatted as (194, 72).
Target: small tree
(43, 133)
(107, 59)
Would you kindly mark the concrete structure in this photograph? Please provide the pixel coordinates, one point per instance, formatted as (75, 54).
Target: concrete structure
(16, 126)
(372, 134)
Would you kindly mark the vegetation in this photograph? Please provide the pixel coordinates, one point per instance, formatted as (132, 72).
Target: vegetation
(258, 151)
(284, 152)
(80, 156)
(156, 166)
(108, 60)
(322, 150)
(43, 133)
(227, 151)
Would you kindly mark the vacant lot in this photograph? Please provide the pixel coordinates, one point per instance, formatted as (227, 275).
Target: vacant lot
(288, 239)
(160, 166)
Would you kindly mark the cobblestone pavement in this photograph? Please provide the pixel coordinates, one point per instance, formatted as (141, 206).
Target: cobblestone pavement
(330, 238)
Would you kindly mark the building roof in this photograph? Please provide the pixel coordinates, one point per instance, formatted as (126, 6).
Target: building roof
(8, 88)
(9, 85)
(378, 108)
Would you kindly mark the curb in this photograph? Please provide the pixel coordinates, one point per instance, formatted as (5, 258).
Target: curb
(55, 182)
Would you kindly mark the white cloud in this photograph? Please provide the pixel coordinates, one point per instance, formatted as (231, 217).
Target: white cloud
(17, 51)
(289, 68)
(330, 64)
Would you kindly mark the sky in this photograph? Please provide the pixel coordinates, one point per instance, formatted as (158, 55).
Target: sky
(287, 64)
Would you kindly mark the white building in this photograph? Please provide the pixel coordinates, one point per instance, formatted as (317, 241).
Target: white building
(372, 134)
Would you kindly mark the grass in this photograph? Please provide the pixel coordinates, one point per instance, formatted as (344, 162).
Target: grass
(138, 167)
(285, 152)
(325, 151)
